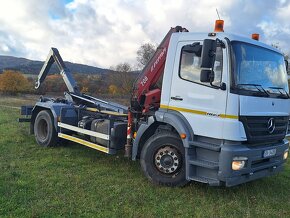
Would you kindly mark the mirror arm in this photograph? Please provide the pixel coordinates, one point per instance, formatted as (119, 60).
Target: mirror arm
(222, 85)
(221, 43)
(211, 80)
(212, 76)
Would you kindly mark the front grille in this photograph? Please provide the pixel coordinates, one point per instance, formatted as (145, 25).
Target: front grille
(256, 128)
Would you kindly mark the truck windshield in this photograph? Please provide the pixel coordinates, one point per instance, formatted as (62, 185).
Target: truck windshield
(259, 67)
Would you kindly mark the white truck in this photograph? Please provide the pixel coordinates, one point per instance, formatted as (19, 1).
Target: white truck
(218, 115)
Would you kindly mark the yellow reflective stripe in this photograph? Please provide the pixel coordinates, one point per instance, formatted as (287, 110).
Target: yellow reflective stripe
(183, 109)
(83, 142)
(106, 112)
(197, 112)
(229, 116)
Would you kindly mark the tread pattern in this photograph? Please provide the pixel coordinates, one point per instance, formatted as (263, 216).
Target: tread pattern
(151, 146)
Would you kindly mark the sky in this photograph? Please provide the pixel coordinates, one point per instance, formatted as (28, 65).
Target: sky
(104, 33)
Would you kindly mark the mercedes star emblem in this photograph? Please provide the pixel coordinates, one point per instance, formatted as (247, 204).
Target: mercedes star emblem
(271, 125)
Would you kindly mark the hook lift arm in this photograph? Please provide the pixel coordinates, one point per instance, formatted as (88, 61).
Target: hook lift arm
(54, 56)
(73, 91)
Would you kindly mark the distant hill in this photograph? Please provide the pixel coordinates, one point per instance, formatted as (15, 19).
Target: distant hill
(33, 67)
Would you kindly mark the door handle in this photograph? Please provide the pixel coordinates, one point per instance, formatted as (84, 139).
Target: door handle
(177, 98)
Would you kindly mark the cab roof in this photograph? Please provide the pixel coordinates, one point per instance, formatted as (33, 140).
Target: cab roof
(186, 36)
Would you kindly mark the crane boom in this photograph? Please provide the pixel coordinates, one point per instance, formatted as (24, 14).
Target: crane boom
(144, 93)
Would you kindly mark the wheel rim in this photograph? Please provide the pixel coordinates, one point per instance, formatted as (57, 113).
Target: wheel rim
(43, 129)
(167, 160)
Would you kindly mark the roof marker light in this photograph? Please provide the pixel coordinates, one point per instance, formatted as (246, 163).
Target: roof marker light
(219, 26)
(255, 36)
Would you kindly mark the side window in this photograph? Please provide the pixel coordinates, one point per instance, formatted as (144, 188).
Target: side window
(190, 67)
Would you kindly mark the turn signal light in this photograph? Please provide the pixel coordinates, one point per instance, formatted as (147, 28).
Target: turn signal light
(255, 36)
(219, 26)
(183, 135)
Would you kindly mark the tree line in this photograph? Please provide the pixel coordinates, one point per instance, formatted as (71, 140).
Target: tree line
(117, 81)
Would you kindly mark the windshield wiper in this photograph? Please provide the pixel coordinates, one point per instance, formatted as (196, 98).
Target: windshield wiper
(257, 86)
(282, 95)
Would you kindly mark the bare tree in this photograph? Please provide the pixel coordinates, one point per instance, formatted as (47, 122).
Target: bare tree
(122, 77)
(144, 54)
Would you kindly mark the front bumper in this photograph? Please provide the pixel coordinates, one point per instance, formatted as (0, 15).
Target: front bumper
(256, 167)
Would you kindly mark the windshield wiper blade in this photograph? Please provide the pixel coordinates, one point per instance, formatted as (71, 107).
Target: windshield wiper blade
(282, 94)
(258, 87)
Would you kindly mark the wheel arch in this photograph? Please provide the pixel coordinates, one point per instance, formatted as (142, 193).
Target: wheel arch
(34, 113)
(167, 119)
(55, 109)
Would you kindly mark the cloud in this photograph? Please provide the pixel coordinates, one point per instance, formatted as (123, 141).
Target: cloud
(277, 30)
(105, 33)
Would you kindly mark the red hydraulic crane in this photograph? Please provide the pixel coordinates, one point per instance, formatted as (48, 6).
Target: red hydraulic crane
(145, 93)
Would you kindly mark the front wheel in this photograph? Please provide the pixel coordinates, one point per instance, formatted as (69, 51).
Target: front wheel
(162, 159)
(44, 130)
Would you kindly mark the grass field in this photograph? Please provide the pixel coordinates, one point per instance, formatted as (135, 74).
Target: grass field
(77, 181)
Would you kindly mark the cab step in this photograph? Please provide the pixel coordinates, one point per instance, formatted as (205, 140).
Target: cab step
(205, 164)
(211, 182)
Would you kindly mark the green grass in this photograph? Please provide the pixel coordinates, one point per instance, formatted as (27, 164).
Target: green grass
(77, 181)
(18, 100)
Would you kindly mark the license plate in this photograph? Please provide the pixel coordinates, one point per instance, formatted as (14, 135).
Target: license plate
(270, 152)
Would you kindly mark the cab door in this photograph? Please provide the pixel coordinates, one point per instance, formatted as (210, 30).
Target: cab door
(203, 105)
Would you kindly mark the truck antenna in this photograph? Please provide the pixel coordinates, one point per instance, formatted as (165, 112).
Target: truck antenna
(217, 13)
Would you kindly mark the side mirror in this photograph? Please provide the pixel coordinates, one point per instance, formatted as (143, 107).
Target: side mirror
(208, 53)
(206, 76)
(287, 64)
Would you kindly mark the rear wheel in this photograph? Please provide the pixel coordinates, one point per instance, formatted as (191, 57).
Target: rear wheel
(44, 130)
(162, 159)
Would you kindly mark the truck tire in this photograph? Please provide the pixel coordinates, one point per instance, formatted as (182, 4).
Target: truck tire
(44, 130)
(162, 160)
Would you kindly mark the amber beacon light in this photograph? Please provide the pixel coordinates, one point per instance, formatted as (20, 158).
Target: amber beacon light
(255, 36)
(219, 26)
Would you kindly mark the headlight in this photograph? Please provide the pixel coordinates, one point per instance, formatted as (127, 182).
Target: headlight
(285, 156)
(239, 163)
